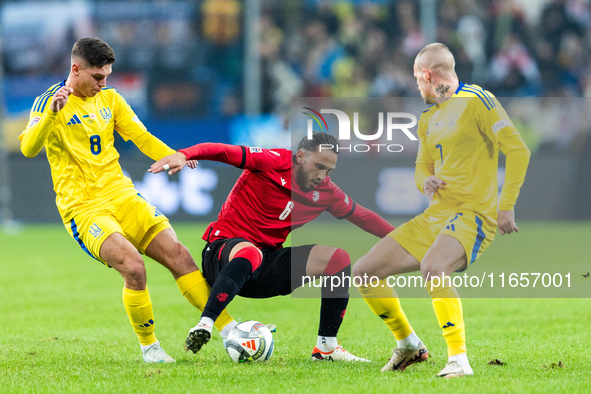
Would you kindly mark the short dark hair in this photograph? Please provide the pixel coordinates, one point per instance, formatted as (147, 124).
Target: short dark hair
(319, 138)
(94, 51)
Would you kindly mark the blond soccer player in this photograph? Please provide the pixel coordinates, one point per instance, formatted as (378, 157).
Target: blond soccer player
(103, 212)
(461, 133)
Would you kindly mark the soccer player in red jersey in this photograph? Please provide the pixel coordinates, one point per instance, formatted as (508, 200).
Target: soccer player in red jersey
(277, 192)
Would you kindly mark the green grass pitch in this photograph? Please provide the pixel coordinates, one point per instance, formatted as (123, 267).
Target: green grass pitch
(63, 327)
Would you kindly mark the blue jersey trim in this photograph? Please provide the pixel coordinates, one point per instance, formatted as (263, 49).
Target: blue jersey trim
(479, 238)
(479, 95)
(77, 238)
(428, 108)
(486, 95)
(459, 87)
(40, 99)
(41, 102)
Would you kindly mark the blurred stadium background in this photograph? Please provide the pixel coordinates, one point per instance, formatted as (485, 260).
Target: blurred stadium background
(225, 71)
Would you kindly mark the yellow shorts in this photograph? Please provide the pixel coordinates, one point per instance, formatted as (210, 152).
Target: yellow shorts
(474, 231)
(130, 215)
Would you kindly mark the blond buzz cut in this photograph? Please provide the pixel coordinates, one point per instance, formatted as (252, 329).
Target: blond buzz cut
(436, 58)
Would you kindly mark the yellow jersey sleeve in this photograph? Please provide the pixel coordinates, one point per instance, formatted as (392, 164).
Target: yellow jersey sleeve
(41, 121)
(495, 123)
(424, 164)
(128, 125)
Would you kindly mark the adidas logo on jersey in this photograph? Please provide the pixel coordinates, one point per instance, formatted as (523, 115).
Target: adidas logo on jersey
(74, 120)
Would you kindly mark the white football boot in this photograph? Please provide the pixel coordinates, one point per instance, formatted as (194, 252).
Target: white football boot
(339, 354)
(198, 336)
(155, 354)
(454, 369)
(402, 358)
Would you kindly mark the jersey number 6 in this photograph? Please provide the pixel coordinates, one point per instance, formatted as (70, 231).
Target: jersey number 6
(286, 211)
(95, 144)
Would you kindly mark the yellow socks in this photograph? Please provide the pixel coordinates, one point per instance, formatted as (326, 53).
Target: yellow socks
(384, 302)
(139, 306)
(448, 309)
(196, 290)
(139, 309)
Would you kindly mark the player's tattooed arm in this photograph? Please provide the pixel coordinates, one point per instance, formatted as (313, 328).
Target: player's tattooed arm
(441, 90)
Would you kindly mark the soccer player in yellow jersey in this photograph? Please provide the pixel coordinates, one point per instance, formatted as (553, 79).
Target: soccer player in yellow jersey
(100, 207)
(460, 133)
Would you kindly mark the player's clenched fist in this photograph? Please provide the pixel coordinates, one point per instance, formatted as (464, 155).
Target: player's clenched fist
(432, 184)
(172, 163)
(60, 98)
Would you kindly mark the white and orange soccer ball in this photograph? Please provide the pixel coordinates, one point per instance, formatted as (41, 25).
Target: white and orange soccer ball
(250, 341)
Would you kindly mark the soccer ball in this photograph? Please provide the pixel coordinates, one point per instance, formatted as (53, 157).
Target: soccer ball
(250, 341)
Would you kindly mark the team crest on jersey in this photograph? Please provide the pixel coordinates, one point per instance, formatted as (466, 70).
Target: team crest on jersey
(95, 230)
(452, 120)
(34, 121)
(106, 113)
(256, 150)
(315, 196)
(135, 119)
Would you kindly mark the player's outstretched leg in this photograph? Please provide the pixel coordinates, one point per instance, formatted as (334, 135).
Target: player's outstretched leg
(387, 258)
(196, 290)
(335, 297)
(171, 253)
(384, 302)
(141, 316)
(120, 254)
(228, 283)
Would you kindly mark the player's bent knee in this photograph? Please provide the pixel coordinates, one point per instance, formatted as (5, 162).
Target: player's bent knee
(252, 254)
(339, 261)
(133, 271)
(430, 269)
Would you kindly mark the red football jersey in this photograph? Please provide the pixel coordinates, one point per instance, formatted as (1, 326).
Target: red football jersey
(266, 202)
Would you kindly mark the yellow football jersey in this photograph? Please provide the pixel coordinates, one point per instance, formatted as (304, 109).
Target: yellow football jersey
(459, 143)
(79, 143)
